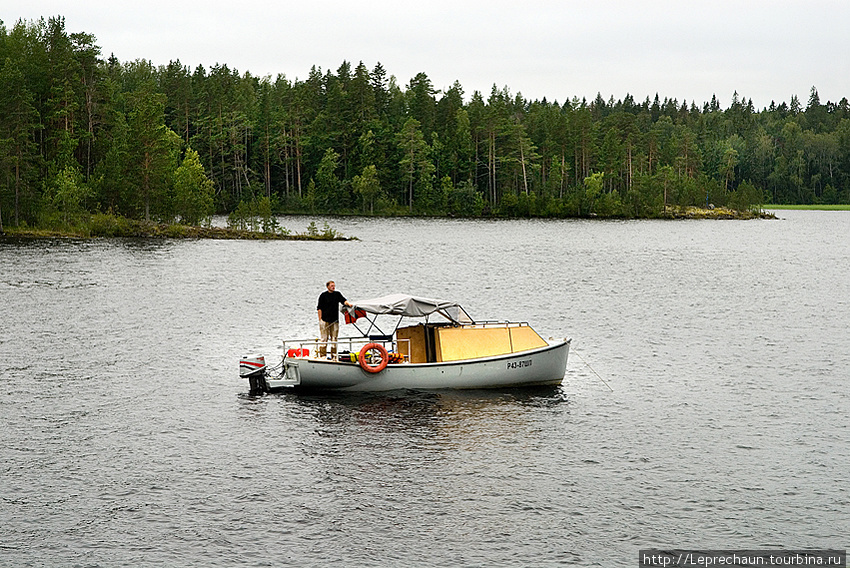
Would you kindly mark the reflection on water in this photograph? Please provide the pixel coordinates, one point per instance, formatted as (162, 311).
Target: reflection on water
(418, 413)
(454, 468)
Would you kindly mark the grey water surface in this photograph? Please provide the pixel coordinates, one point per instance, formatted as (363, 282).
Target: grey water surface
(127, 438)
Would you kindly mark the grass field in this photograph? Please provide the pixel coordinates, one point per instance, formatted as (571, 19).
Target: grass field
(810, 207)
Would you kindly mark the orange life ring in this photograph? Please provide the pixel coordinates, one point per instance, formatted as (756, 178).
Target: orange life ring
(369, 368)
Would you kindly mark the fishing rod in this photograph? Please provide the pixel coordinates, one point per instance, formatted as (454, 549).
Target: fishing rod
(592, 369)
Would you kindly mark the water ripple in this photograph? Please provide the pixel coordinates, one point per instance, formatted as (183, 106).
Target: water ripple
(128, 440)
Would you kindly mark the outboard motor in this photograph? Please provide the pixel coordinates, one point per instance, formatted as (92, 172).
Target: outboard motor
(253, 368)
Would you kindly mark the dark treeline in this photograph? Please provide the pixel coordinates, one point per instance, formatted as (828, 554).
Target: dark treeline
(82, 134)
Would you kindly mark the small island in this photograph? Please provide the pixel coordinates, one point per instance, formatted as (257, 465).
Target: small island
(717, 213)
(110, 226)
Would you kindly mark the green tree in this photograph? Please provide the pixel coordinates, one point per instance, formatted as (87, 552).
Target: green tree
(150, 151)
(378, 82)
(176, 83)
(62, 104)
(91, 93)
(193, 191)
(68, 193)
(462, 148)
(462, 200)
(583, 134)
(421, 103)
(666, 178)
(593, 185)
(328, 191)
(747, 197)
(111, 181)
(729, 162)
(521, 154)
(18, 152)
(645, 199)
(368, 187)
(416, 169)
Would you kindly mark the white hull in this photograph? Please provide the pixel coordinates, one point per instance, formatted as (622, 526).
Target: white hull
(542, 366)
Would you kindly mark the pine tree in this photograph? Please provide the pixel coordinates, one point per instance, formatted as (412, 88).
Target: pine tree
(18, 153)
(416, 168)
(150, 150)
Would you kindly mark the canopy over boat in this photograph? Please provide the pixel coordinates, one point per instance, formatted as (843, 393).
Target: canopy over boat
(411, 306)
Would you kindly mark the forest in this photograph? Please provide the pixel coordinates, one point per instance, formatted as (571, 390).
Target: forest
(82, 134)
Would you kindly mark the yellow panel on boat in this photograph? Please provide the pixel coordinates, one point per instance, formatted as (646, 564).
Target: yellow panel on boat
(414, 348)
(458, 343)
(524, 338)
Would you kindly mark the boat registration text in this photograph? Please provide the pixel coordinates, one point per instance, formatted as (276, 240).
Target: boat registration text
(519, 364)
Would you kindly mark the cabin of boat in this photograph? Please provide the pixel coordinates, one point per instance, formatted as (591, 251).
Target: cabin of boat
(437, 343)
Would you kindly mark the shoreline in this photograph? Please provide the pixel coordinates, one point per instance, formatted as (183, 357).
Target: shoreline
(141, 230)
(127, 228)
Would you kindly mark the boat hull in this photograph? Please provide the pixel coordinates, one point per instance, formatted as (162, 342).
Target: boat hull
(542, 366)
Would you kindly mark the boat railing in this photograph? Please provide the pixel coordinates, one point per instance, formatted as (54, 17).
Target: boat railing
(310, 347)
(496, 324)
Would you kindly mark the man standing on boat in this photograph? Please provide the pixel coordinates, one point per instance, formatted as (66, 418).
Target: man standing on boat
(328, 308)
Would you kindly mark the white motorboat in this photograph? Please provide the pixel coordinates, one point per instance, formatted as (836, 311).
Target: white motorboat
(454, 352)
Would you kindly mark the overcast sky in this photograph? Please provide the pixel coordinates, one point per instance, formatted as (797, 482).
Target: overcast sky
(763, 49)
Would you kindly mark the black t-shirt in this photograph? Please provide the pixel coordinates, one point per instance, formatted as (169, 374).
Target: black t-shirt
(328, 303)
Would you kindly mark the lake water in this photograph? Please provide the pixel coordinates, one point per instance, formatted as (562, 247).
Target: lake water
(128, 439)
